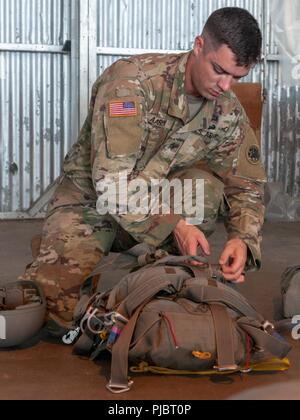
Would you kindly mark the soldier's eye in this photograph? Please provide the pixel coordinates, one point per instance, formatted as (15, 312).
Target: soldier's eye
(218, 70)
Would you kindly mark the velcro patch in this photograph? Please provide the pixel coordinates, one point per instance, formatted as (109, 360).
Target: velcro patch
(253, 155)
(122, 109)
(170, 270)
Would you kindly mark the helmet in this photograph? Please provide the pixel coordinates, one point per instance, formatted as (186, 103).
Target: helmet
(22, 312)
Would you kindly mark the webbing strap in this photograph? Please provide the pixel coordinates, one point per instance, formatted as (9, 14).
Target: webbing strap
(272, 343)
(224, 338)
(173, 259)
(208, 294)
(119, 366)
(198, 294)
(142, 294)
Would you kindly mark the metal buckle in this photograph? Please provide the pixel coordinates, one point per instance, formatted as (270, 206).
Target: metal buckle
(88, 317)
(227, 368)
(104, 320)
(116, 317)
(71, 336)
(246, 371)
(118, 388)
(268, 327)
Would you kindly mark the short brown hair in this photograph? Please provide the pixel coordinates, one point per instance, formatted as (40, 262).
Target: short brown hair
(239, 30)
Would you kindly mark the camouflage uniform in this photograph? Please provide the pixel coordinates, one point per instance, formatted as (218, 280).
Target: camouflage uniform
(153, 138)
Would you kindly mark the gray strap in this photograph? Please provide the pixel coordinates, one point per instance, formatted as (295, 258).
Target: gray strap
(114, 267)
(199, 294)
(142, 294)
(287, 277)
(226, 296)
(224, 338)
(182, 259)
(119, 365)
(272, 343)
(12, 295)
(112, 261)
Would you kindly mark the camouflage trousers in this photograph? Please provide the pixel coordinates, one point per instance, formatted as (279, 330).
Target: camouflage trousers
(75, 237)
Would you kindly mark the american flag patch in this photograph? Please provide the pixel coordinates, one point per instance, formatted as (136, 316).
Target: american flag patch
(122, 109)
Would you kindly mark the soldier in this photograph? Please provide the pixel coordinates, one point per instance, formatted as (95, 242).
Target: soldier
(160, 116)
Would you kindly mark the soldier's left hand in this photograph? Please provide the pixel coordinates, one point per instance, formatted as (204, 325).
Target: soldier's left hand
(233, 260)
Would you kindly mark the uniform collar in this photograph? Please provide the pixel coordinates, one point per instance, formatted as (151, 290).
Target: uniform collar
(178, 103)
(202, 119)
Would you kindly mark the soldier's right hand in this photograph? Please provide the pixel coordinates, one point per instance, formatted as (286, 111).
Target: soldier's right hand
(189, 238)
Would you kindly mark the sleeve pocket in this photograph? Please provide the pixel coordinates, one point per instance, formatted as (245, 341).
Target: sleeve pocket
(123, 127)
(249, 164)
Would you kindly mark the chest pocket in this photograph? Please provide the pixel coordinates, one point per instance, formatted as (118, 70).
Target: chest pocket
(123, 127)
(193, 150)
(157, 128)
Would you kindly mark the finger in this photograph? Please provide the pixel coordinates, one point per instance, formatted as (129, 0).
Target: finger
(196, 263)
(227, 269)
(225, 257)
(236, 274)
(194, 254)
(241, 280)
(203, 242)
(233, 277)
(233, 264)
(236, 264)
(191, 248)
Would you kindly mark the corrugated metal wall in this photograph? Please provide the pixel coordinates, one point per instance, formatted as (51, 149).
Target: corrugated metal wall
(34, 98)
(42, 105)
(281, 137)
(134, 25)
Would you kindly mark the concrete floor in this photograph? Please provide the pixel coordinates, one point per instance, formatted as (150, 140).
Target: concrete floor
(48, 370)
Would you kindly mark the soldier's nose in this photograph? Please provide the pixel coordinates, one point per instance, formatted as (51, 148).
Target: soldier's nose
(225, 83)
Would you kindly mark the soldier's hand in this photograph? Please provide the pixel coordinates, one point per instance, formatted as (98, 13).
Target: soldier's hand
(233, 260)
(189, 238)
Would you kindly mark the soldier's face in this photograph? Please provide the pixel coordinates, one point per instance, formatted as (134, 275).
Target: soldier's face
(210, 72)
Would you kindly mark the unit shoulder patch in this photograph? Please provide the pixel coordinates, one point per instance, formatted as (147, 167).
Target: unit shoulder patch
(253, 154)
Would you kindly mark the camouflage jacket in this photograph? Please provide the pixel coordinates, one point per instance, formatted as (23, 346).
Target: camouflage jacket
(155, 136)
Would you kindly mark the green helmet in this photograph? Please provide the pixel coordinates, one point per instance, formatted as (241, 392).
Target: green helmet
(22, 312)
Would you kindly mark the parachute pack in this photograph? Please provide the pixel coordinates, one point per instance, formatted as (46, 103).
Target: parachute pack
(157, 313)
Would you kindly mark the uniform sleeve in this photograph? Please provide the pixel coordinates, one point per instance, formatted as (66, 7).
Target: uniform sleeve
(244, 178)
(119, 139)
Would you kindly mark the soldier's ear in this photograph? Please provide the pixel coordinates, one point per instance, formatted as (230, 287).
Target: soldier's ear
(199, 45)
